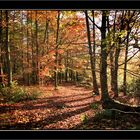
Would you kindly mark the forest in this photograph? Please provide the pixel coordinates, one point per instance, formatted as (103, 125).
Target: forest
(69, 69)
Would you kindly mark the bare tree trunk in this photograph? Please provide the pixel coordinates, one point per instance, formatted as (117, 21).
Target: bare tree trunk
(13, 43)
(95, 85)
(8, 56)
(66, 65)
(1, 45)
(28, 64)
(56, 51)
(37, 49)
(21, 45)
(117, 53)
(103, 63)
(126, 53)
(33, 53)
(46, 36)
(92, 56)
(115, 72)
(112, 68)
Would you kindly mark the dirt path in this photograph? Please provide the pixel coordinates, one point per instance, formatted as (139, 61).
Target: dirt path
(55, 109)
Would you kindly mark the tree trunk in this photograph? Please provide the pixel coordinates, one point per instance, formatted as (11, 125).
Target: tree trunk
(56, 51)
(37, 49)
(1, 60)
(117, 53)
(21, 45)
(112, 49)
(92, 57)
(126, 53)
(66, 66)
(8, 56)
(33, 54)
(77, 76)
(13, 40)
(46, 36)
(95, 85)
(115, 72)
(103, 63)
(28, 65)
(112, 69)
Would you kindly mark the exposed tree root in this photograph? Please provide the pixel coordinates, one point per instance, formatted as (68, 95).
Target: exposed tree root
(118, 106)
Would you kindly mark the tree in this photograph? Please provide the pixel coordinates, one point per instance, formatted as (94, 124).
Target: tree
(56, 50)
(103, 63)
(8, 56)
(37, 47)
(112, 49)
(117, 52)
(28, 64)
(129, 28)
(1, 49)
(92, 53)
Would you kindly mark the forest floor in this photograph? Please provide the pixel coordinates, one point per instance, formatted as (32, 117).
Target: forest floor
(69, 107)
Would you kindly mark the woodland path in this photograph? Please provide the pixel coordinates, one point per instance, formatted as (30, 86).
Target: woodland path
(55, 109)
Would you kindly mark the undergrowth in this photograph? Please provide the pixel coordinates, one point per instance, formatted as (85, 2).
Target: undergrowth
(15, 93)
(84, 118)
(133, 87)
(94, 106)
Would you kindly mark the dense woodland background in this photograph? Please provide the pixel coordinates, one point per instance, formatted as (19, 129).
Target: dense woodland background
(93, 50)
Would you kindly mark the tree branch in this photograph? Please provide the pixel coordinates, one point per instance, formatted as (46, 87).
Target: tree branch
(94, 23)
(129, 58)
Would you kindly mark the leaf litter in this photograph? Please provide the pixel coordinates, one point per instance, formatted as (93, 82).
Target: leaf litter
(61, 109)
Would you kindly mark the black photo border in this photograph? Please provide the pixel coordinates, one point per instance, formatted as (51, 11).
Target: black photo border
(69, 5)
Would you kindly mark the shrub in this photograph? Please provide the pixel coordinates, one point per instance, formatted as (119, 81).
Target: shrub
(120, 89)
(133, 87)
(94, 106)
(103, 114)
(84, 118)
(15, 93)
